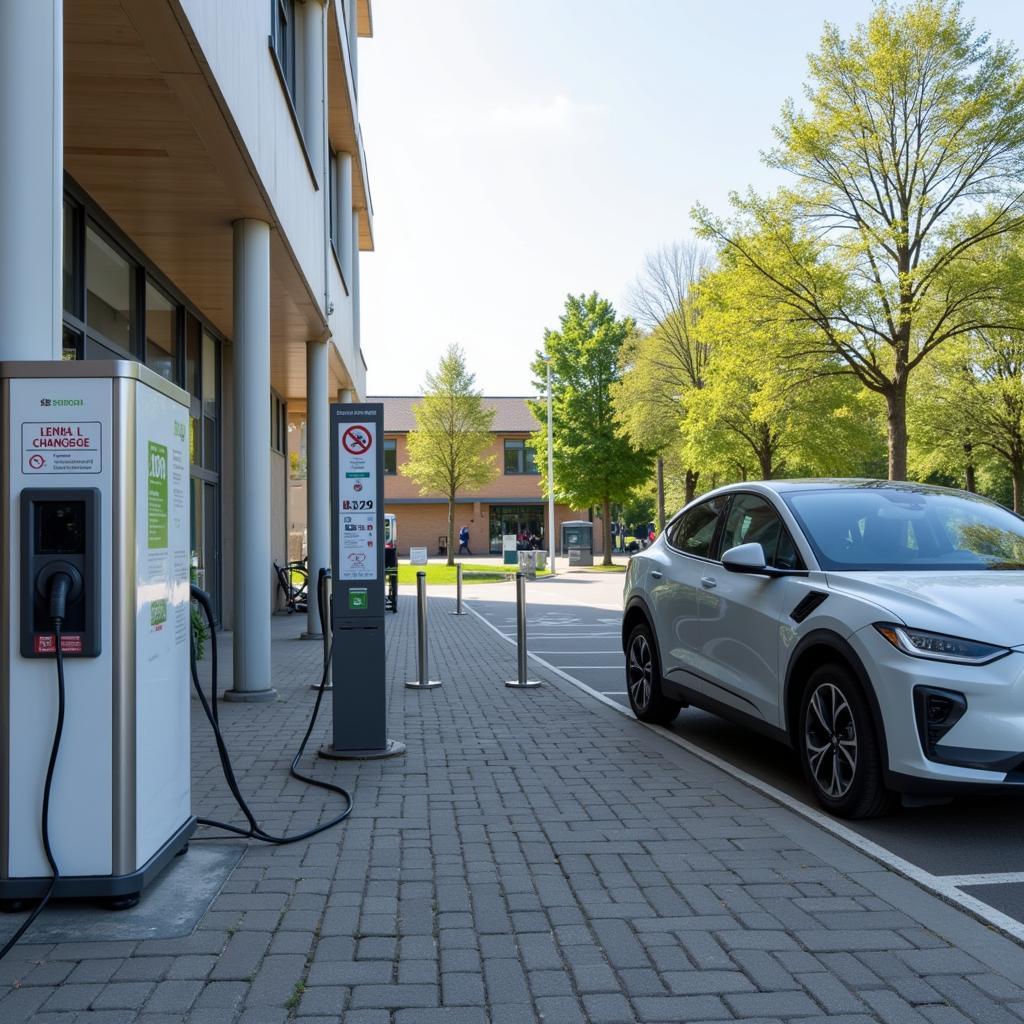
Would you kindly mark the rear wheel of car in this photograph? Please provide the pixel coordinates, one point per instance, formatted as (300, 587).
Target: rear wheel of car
(839, 749)
(643, 679)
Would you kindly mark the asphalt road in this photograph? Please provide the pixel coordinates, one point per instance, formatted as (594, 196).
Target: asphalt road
(574, 625)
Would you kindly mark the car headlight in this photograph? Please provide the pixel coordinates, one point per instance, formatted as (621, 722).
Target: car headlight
(919, 643)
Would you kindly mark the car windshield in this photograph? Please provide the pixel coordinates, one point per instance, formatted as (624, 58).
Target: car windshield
(901, 528)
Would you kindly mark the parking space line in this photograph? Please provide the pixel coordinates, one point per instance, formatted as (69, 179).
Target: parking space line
(994, 878)
(947, 888)
(597, 668)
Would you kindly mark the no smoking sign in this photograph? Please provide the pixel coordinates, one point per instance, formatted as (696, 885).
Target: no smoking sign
(357, 440)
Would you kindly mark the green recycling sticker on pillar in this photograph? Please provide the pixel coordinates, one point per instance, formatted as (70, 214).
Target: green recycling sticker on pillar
(157, 495)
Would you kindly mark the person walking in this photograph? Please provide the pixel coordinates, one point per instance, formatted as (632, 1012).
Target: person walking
(464, 541)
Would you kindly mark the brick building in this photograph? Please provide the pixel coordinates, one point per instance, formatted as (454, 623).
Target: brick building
(511, 503)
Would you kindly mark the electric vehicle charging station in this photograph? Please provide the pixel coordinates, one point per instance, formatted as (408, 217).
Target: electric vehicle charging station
(357, 571)
(95, 492)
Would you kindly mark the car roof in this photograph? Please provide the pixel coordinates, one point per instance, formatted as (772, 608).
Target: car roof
(836, 483)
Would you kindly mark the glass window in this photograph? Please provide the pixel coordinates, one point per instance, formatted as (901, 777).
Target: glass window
(109, 284)
(193, 348)
(72, 346)
(208, 373)
(694, 531)
(284, 41)
(907, 527)
(525, 522)
(519, 458)
(390, 456)
(278, 424)
(161, 333)
(752, 520)
(72, 296)
(297, 459)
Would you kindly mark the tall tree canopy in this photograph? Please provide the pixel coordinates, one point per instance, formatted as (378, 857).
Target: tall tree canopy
(594, 465)
(909, 156)
(446, 450)
(666, 360)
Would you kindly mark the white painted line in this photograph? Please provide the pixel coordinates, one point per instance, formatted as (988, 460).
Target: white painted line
(994, 878)
(599, 668)
(612, 651)
(615, 693)
(936, 884)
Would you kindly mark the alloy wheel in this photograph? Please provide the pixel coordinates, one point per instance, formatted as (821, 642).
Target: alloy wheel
(830, 739)
(641, 671)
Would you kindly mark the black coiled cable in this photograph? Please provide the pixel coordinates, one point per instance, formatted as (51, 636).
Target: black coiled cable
(254, 831)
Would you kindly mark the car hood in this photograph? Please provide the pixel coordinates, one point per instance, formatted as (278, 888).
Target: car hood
(984, 605)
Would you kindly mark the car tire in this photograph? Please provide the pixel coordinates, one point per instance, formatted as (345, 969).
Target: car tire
(643, 679)
(838, 747)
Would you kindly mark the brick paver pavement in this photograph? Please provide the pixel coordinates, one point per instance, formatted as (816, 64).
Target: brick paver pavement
(534, 856)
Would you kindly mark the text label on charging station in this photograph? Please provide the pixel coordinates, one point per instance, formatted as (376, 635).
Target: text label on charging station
(50, 447)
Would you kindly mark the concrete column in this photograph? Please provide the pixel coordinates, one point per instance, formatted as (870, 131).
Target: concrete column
(352, 18)
(313, 110)
(354, 286)
(253, 575)
(318, 468)
(343, 204)
(346, 395)
(31, 177)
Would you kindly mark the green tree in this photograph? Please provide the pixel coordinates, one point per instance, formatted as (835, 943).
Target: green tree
(594, 465)
(446, 450)
(910, 155)
(969, 405)
(666, 360)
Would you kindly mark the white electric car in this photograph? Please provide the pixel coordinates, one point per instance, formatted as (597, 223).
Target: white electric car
(876, 627)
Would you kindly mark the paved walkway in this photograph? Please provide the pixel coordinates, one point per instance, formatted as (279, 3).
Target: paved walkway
(534, 856)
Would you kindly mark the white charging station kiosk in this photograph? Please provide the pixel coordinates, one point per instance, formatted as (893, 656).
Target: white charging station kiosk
(95, 475)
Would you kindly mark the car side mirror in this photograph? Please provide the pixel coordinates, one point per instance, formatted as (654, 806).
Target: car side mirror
(748, 558)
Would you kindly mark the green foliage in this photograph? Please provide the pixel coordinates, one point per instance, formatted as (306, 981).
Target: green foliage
(446, 450)
(594, 464)
(910, 155)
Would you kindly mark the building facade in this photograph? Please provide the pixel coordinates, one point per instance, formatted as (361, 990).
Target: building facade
(513, 503)
(184, 184)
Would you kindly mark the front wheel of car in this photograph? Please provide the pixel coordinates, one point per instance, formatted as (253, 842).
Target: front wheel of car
(643, 679)
(839, 749)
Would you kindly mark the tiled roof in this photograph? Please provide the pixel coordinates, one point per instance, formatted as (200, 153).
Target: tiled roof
(511, 415)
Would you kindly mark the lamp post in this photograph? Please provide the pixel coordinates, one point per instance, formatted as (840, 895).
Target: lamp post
(551, 478)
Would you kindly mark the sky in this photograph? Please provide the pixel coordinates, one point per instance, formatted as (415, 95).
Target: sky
(522, 150)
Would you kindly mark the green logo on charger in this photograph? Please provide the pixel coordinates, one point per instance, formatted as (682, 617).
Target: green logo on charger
(157, 495)
(158, 612)
(358, 599)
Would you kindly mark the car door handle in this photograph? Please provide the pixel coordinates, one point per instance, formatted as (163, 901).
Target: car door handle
(656, 575)
(708, 582)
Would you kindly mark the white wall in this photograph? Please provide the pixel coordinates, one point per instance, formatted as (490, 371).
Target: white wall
(234, 37)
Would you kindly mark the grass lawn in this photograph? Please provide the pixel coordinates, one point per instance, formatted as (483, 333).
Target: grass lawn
(438, 572)
(606, 568)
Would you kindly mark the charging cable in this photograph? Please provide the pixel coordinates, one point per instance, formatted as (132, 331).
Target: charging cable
(255, 831)
(60, 586)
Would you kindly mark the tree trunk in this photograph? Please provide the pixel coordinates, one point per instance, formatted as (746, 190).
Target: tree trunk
(606, 530)
(451, 528)
(691, 486)
(896, 414)
(969, 480)
(661, 495)
(1017, 472)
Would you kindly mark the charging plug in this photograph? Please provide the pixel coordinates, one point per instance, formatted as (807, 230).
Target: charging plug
(60, 586)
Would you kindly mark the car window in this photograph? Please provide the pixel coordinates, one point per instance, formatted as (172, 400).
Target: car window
(752, 520)
(900, 526)
(694, 531)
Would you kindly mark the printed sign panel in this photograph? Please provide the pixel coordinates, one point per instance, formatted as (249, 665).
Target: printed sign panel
(54, 447)
(357, 501)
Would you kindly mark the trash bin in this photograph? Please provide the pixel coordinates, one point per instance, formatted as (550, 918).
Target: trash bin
(578, 542)
(542, 560)
(528, 563)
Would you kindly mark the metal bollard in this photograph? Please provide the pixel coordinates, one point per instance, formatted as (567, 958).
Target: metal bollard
(522, 682)
(324, 600)
(424, 682)
(458, 590)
